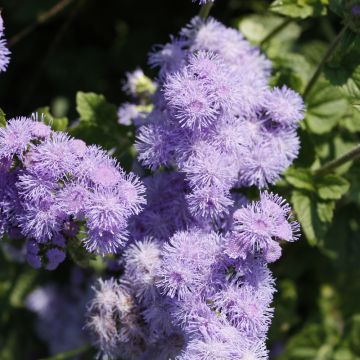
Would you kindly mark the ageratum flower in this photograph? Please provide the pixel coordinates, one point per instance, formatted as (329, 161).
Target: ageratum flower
(4, 51)
(284, 106)
(259, 225)
(53, 183)
(187, 260)
(203, 286)
(113, 319)
(142, 260)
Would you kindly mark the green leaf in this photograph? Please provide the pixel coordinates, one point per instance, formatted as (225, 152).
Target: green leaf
(299, 8)
(336, 6)
(98, 124)
(344, 354)
(332, 187)
(325, 210)
(313, 50)
(343, 70)
(2, 119)
(351, 121)
(291, 69)
(22, 287)
(57, 124)
(300, 178)
(305, 207)
(307, 344)
(257, 27)
(354, 336)
(94, 109)
(325, 108)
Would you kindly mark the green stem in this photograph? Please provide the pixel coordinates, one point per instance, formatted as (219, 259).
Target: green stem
(41, 19)
(326, 56)
(333, 164)
(275, 31)
(69, 354)
(205, 10)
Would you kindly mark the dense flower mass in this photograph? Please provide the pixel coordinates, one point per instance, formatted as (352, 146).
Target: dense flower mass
(4, 51)
(215, 118)
(196, 283)
(55, 187)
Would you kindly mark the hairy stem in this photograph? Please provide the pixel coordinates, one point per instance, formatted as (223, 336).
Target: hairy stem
(205, 10)
(42, 18)
(333, 164)
(332, 47)
(69, 354)
(275, 31)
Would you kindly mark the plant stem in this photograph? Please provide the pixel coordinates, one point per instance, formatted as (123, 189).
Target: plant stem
(69, 354)
(205, 10)
(333, 164)
(326, 56)
(275, 31)
(42, 18)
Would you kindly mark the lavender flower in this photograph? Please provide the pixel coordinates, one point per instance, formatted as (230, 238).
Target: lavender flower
(51, 180)
(284, 106)
(15, 138)
(142, 261)
(137, 84)
(196, 276)
(258, 225)
(187, 260)
(4, 51)
(112, 319)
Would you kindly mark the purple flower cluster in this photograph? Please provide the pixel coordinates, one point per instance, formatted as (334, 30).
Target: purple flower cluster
(140, 88)
(54, 187)
(215, 119)
(4, 51)
(195, 281)
(200, 295)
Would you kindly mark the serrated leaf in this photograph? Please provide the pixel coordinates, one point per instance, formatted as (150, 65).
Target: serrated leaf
(98, 123)
(2, 119)
(313, 50)
(291, 69)
(343, 70)
(325, 211)
(325, 108)
(351, 121)
(300, 178)
(306, 212)
(299, 9)
(257, 27)
(306, 344)
(94, 109)
(332, 187)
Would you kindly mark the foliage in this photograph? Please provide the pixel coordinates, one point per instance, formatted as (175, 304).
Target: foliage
(317, 314)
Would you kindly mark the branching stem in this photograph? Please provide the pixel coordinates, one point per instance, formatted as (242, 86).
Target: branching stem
(333, 164)
(275, 31)
(332, 47)
(205, 10)
(42, 18)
